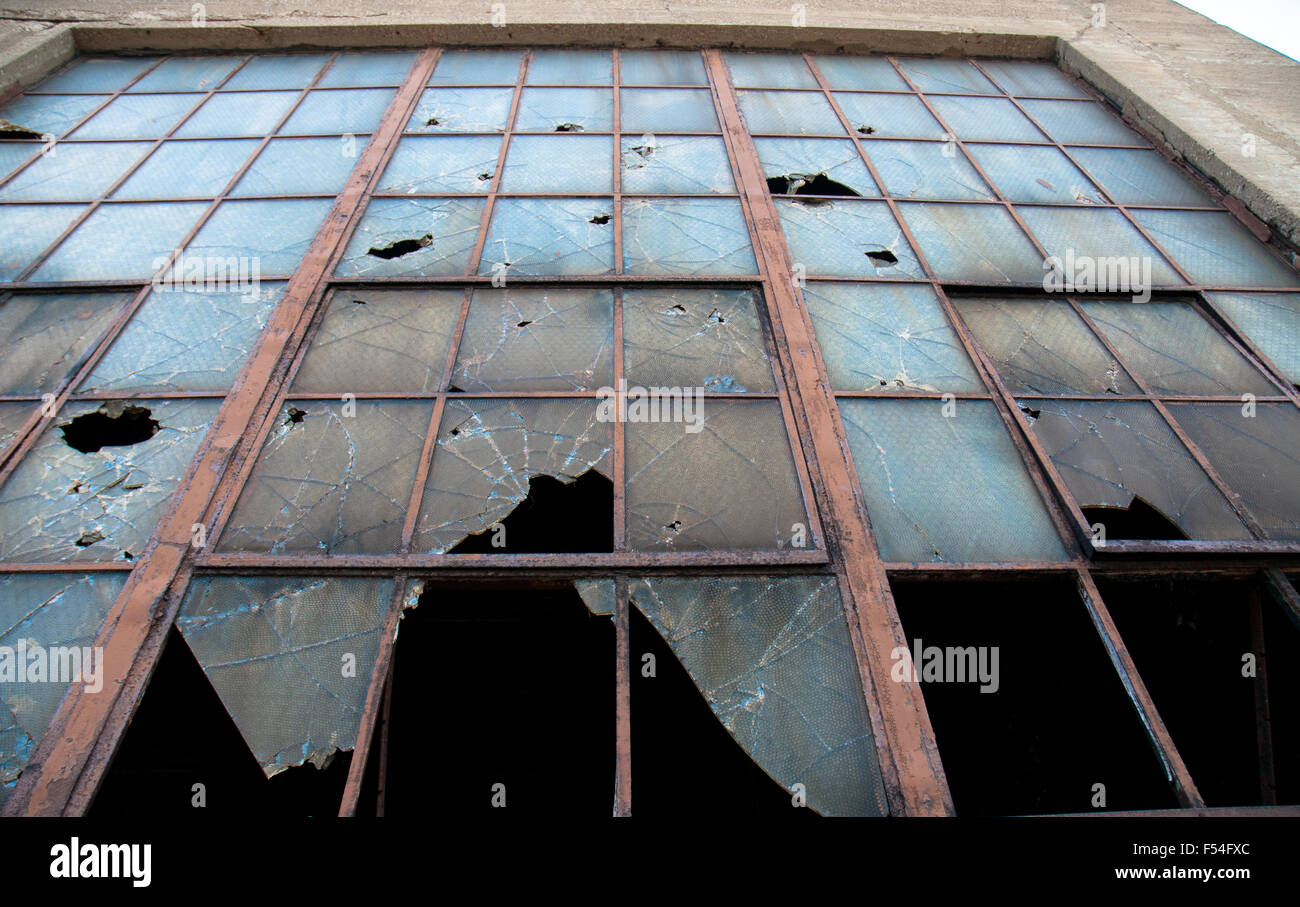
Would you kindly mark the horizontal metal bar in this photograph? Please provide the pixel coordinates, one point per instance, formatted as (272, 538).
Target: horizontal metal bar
(437, 562)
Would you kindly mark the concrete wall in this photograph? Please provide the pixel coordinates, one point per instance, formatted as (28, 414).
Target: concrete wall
(1200, 90)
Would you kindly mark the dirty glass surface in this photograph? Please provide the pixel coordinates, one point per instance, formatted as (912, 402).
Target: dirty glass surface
(252, 113)
(559, 163)
(565, 110)
(28, 231)
(317, 166)
(846, 238)
(888, 115)
(773, 658)
(187, 74)
(12, 417)
(1215, 249)
(1175, 350)
(1109, 453)
(46, 337)
(77, 170)
(662, 67)
(332, 478)
(439, 233)
(527, 339)
(130, 241)
(50, 114)
(1032, 79)
(278, 649)
(1100, 234)
(667, 110)
(694, 338)
(1082, 123)
(64, 505)
(462, 110)
(1137, 177)
(1034, 174)
(451, 165)
(1271, 321)
(859, 73)
(144, 116)
(973, 242)
(350, 110)
(488, 450)
(360, 70)
(275, 233)
(720, 478)
(1254, 450)
(797, 112)
(194, 168)
(598, 595)
(945, 488)
(556, 66)
(759, 70)
(887, 338)
(805, 158)
(278, 71)
(936, 74)
(705, 236)
(675, 164)
(183, 340)
(553, 237)
(96, 74)
(477, 67)
(51, 610)
(925, 170)
(1043, 347)
(391, 341)
(985, 119)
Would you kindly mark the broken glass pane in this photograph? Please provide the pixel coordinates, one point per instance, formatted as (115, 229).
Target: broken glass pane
(274, 233)
(391, 341)
(103, 75)
(362, 70)
(935, 74)
(462, 110)
(559, 237)
(667, 110)
(1082, 123)
(559, 163)
(444, 164)
(1215, 249)
(1110, 453)
(188, 74)
(769, 71)
(1103, 236)
(53, 114)
(556, 66)
(1271, 321)
(185, 340)
(1043, 347)
(77, 170)
(566, 110)
(1254, 450)
(695, 338)
(426, 237)
(61, 504)
(529, 339)
(797, 112)
(302, 167)
(803, 159)
(712, 475)
(986, 119)
(343, 110)
(1137, 177)
(891, 115)
(46, 338)
(848, 238)
(333, 478)
(28, 230)
(973, 242)
(143, 116)
(686, 236)
(477, 67)
(859, 73)
(943, 483)
(47, 613)
(122, 242)
(487, 452)
(234, 113)
(189, 169)
(1031, 79)
(887, 338)
(773, 657)
(926, 170)
(290, 657)
(277, 71)
(12, 418)
(1174, 349)
(675, 164)
(662, 67)
(597, 595)
(1034, 174)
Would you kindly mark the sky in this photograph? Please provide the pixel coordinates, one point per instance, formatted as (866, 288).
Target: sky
(1275, 23)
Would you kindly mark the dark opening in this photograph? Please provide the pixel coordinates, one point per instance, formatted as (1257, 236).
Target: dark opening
(89, 538)
(568, 127)
(182, 735)
(510, 686)
(523, 324)
(484, 177)
(808, 184)
(882, 257)
(1059, 721)
(12, 132)
(642, 150)
(295, 416)
(1032, 414)
(93, 431)
(555, 518)
(401, 247)
(599, 219)
(867, 130)
(431, 121)
(682, 756)
(1137, 521)
(1282, 660)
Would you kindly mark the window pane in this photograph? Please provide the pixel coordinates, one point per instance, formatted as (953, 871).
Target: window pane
(846, 238)
(838, 159)
(477, 67)
(104, 75)
(28, 230)
(973, 242)
(552, 66)
(302, 167)
(449, 165)
(1030, 79)
(953, 76)
(1082, 123)
(662, 67)
(361, 70)
(1104, 236)
(686, 236)
(926, 170)
(190, 169)
(888, 115)
(793, 112)
(769, 71)
(865, 73)
(676, 164)
(566, 110)
(1034, 174)
(986, 119)
(12, 418)
(462, 110)
(278, 71)
(253, 113)
(120, 242)
(46, 338)
(270, 235)
(188, 74)
(54, 114)
(1136, 177)
(1271, 321)
(559, 163)
(339, 111)
(77, 170)
(1215, 249)
(667, 110)
(145, 116)
(550, 236)
(427, 237)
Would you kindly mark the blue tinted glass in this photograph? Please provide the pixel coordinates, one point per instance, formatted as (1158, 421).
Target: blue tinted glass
(138, 116)
(662, 67)
(1097, 234)
(769, 71)
(424, 237)
(945, 75)
(676, 164)
(550, 236)
(278, 71)
(973, 242)
(686, 236)
(888, 115)
(805, 158)
(796, 112)
(566, 110)
(560, 163)
(1032, 79)
(847, 238)
(1271, 321)
(1215, 249)
(1082, 122)
(667, 110)
(860, 73)
(190, 169)
(926, 170)
(986, 119)
(363, 70)
(50, 114)
(477, 67)
(75, 170)
(302, 166)
(1134, 177)
(272, 235)
(28, 230)
(338, 111)
(462, 110)
(571, 67)
(442, 164)
(121, 242)
(102, 75)
(188, 74)
(1035, 173)
(253, 113)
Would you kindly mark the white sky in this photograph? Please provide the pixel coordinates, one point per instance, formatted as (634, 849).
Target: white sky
(1275, 23)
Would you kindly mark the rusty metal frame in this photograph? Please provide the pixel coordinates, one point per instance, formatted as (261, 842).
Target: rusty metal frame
(66, 768)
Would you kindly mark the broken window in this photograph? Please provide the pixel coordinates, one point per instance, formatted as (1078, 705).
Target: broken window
(925, 170)
(559, 163)
(702, 236)
(46, 337)
(814, 167)
(846, 238)
(552, 237)
(662, 164)
(1271, 322)
(565, 110)
(424, 237)
(447, 165)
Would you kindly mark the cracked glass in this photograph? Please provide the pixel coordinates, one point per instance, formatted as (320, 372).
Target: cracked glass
(273, 233)
(973, 242)
(343, 110)
(888, 115)
(1031, 79)
(559, 163)
(424, 237)
(78, 170)
(846, 238)
(934, 74)
(462, 110)
(46, 337)
(477, 67)
(1099, 234)
(722, 477)
(667, 110)
(1138, 177)
(805, 158)
(695, 338)
(553, 237)
(1271, 321)
(704, 236)
(28, 231)
(773, 657)
(63, 505)
(195, 168)
(274, 648)
(926, 170)
(129, 241)
(788, 112)
(599, 595)
(52, 114)
(450, 164)
(12, 418)
(943, 483)
(333, 478)
(675, 164)
(565, 110)
(1035, 174)
(318, 166)
(1215, 249)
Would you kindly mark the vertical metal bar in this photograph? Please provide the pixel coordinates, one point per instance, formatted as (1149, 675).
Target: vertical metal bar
(623, 701)
(1263, 714)
(382, 773)
(507, 138)
(620, 433)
